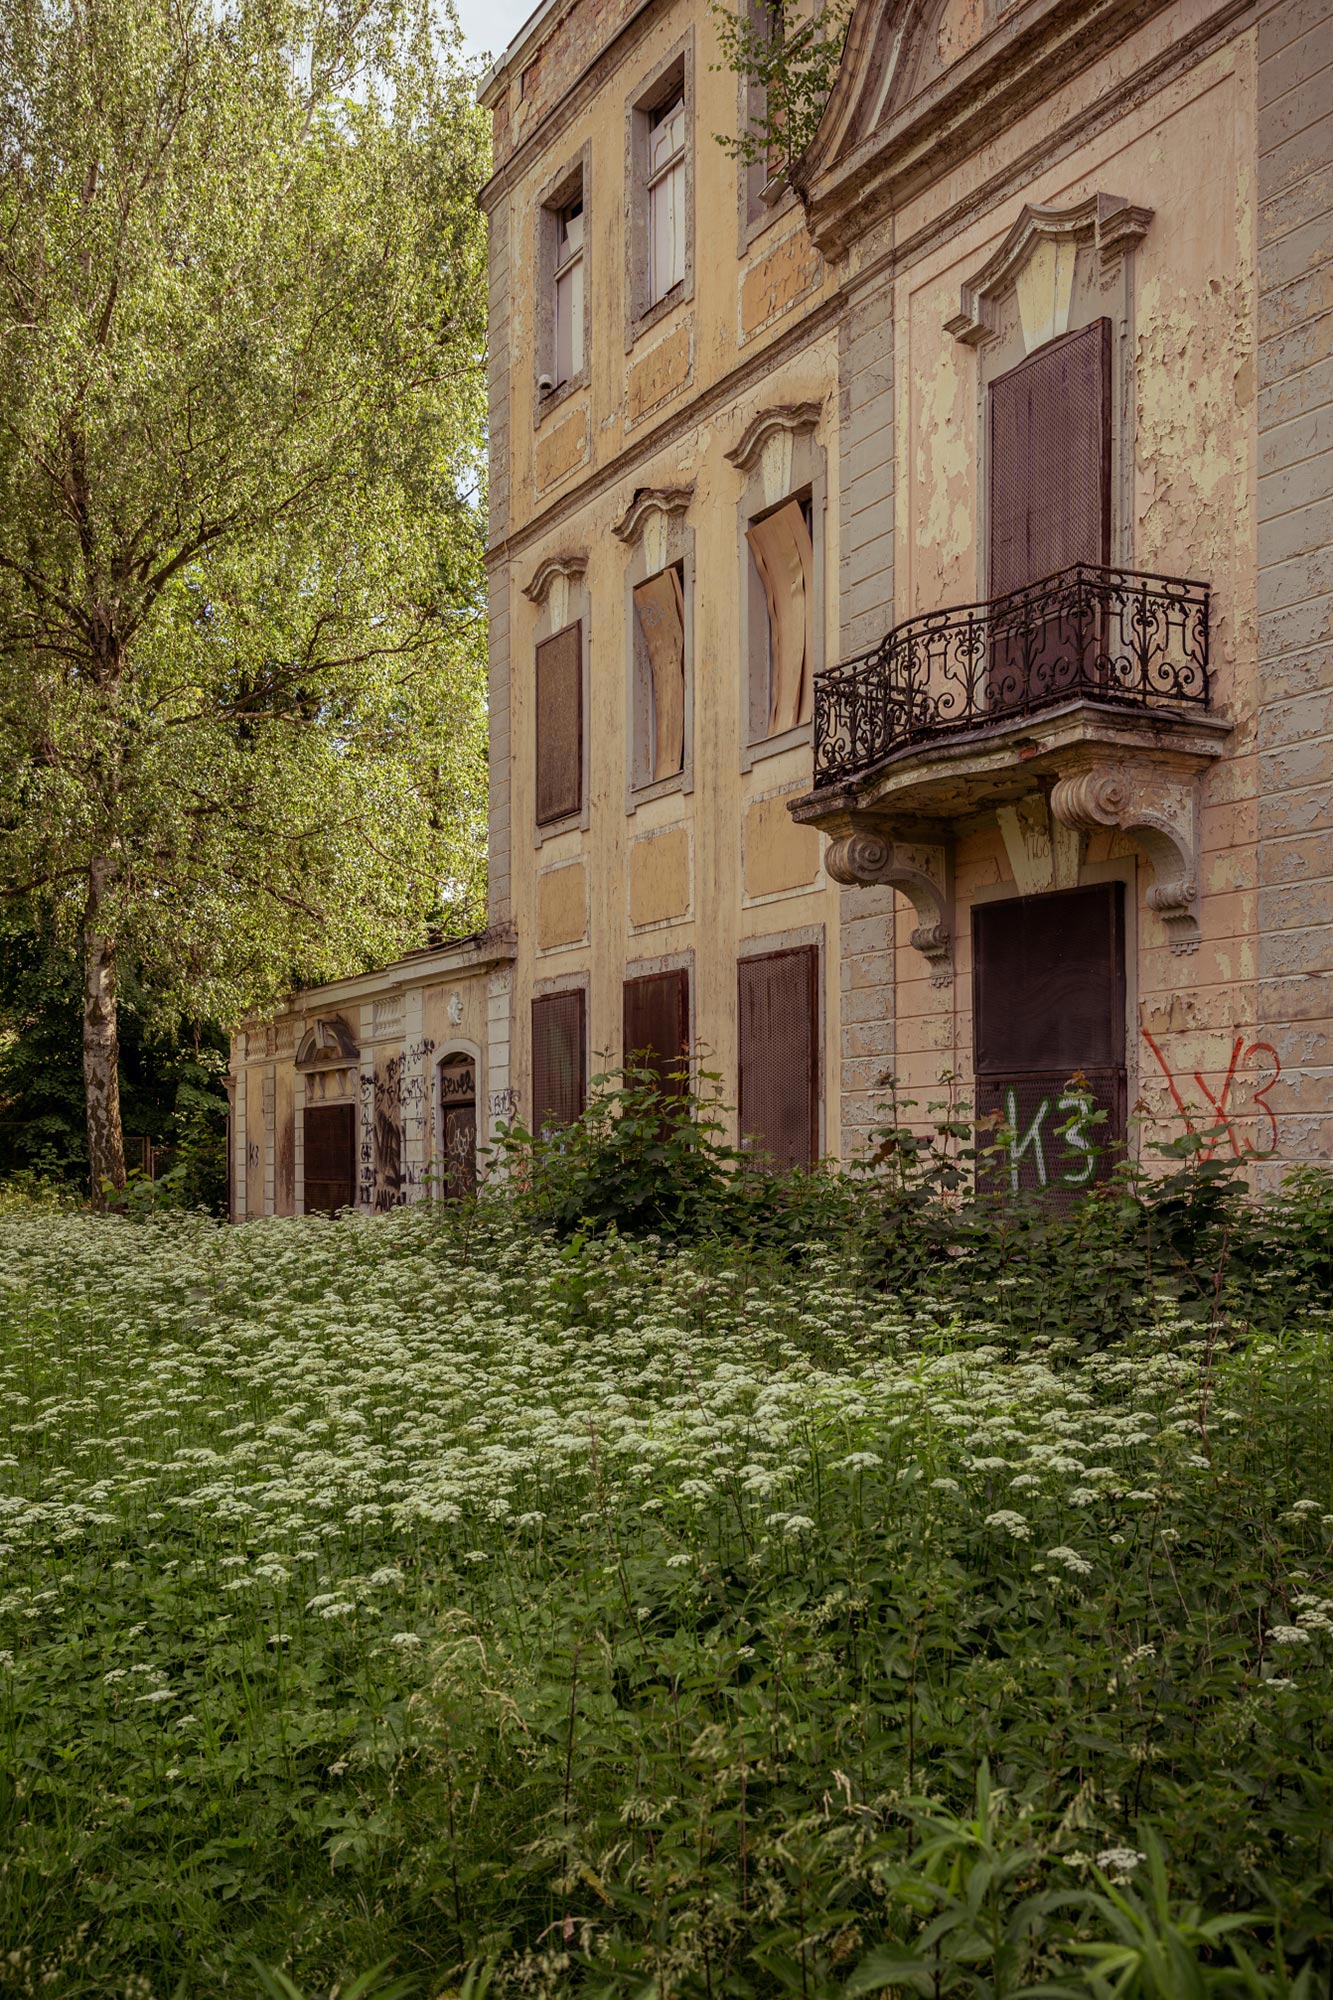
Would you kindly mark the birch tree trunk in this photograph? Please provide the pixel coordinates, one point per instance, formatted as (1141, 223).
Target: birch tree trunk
(101, 1043)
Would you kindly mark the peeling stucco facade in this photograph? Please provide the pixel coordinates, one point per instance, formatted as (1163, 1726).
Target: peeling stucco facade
(1178, 161)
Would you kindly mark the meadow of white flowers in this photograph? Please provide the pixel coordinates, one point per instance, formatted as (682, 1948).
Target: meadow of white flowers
(416, 1589)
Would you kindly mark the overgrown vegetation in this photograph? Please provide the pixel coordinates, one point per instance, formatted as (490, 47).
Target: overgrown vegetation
(788, 59)
(791, 1606)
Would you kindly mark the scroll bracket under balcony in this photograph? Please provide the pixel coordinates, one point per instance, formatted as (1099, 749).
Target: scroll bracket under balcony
(921, 870)
(1158, 810)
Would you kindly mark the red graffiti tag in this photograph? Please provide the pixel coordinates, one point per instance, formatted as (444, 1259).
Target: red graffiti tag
(1225, 1119)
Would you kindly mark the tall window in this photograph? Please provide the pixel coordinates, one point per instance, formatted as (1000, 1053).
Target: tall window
(659, 680)
(657, 1026)
(666, 198)
(568, 292)
(784, 557)
(559, 1059)
(559, 712)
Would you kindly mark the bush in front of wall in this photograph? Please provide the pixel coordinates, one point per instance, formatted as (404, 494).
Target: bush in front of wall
(927, 1214)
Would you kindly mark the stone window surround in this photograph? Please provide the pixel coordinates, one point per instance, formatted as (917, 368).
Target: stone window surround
(756, 211)
(801, 937)
(670, 540)
(573, 179)
(674, 72)
(559, 589)
(807, 473)
(1103, 231)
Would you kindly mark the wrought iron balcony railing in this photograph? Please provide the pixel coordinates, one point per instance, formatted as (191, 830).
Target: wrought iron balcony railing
(1109, 635)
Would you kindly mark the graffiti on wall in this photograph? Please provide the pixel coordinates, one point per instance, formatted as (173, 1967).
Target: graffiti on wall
(1219, 1117)
(395, 1127)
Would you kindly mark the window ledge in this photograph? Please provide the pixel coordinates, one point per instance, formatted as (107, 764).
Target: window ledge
(661, 788)
(555, 828)
(680, 292)
(551, 400)
(762, 747)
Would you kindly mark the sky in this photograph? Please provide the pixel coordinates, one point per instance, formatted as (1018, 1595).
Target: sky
(490, 25)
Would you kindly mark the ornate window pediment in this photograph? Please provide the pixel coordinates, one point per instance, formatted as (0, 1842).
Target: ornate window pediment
(328, 1041)
(1036, 261)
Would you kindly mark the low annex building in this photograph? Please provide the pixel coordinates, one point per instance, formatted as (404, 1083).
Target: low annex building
(911, 600)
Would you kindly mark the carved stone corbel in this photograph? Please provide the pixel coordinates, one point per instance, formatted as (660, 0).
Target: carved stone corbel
(920, 870)
(1158, 811)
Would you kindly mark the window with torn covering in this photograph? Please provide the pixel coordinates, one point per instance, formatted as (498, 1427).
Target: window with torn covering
(659, 676)
(782, 551)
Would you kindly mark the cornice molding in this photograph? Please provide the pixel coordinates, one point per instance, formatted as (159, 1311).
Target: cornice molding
(793, 418)
(572, 566)
(1112, 224)
(648, 500)
(880, 140)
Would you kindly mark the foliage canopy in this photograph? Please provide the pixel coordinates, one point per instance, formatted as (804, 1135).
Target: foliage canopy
(242, 325)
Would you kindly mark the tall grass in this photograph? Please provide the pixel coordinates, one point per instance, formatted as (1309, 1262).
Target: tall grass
(602, 1618)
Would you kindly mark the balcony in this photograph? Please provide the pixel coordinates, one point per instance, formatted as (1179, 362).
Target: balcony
(1111, 636)
(1078, 702)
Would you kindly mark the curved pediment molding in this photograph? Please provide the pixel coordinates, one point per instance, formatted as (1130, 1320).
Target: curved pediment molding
(327, 1041)
(881, 58)
(1108, 222)
(570, 568)
(782, 419)
(924, 83)
(666, 501)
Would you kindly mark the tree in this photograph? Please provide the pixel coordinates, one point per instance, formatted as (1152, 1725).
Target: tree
(242, 327)
(790, 65)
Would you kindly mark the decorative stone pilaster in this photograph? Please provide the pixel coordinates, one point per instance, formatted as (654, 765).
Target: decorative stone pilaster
(922, 871)
(1157, 809)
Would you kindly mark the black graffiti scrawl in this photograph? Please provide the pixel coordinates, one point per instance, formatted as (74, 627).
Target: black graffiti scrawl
(397, 1093)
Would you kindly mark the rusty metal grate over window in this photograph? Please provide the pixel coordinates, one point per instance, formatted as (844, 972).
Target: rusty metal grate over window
(560, 725)
(778, 1004)
(1048, 1000)
(657, 1025)
(559, 1059)
(1050, 460)
(330, 1158)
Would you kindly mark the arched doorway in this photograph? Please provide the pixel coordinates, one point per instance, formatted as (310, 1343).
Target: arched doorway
(458, 1125)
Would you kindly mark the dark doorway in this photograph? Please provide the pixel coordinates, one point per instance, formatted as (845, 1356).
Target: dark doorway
(1048, 999)
(458, 1127)
(778, 1004)
(330, 1158)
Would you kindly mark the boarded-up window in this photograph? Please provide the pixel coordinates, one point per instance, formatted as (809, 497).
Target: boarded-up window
(1050, 460)
(779, 1067)
(784, 556)
(657, 1025)
(458, 1127)
(330, 1158)
(560, 725)
(1048, 996)
(659, 610)
(559, 1060)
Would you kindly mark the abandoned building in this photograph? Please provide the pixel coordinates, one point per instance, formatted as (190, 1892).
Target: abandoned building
(911, 602)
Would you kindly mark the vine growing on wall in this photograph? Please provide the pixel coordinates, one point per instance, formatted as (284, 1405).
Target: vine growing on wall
(789, 69)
